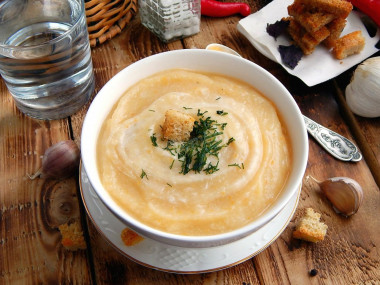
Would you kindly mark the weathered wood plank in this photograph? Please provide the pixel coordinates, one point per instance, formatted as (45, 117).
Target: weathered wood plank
(365, 130)
(29, 240)
(348, 255)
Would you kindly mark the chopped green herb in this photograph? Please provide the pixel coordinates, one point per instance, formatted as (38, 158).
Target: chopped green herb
(143, 174)
(222, 125)
(230, 141)
(237, 165)
(218, 98)
(186, 157)
(186, 108)
(170, 147)
(210, 169)
(221, 113)
(153, 139)
(199, 114)
(152, 111)
(169, 185)
(171, 165)
(204, 142)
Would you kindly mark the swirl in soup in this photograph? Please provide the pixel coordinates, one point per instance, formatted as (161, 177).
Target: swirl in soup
(231, 166)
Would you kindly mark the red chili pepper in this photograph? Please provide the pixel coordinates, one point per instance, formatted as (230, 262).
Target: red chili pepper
(369, 7)
(215, 8)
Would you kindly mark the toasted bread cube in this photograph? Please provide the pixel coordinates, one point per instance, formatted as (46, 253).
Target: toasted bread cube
(349, 44)
(306, 41)
(177, 126)
(340, 8)
(318, 36)
(297, 32)
(311, 21)
(336, 27)
(72, 236)
(309, 227)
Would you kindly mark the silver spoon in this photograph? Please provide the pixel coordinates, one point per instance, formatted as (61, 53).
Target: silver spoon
(334, 143)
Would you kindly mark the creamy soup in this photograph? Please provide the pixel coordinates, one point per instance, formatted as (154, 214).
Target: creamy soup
(143, 173)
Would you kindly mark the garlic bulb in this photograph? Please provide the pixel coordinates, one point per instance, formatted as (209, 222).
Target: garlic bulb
(363, 93)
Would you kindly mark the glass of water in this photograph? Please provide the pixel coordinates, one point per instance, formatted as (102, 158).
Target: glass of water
(45, 56)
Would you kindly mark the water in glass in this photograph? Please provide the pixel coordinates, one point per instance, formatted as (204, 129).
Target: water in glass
(45, 57)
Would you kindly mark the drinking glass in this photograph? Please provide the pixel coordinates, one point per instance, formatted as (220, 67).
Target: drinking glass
(45, 56)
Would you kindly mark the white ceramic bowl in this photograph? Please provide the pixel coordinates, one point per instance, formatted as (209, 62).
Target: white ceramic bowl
(207, 61)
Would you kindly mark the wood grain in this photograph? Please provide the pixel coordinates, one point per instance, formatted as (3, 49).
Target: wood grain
(287, 261)
(30, 242)
(357, 248)
(366, 132)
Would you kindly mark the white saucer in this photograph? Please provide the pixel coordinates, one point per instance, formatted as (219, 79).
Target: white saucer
(156, 255)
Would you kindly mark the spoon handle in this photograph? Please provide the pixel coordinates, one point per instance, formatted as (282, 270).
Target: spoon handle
(336, 144)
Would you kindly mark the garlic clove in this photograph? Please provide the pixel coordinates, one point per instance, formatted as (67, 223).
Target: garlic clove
(363, 92)
(345, 194)
(60, 161)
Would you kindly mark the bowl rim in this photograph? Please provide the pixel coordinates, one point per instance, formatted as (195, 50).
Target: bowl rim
(104, 101)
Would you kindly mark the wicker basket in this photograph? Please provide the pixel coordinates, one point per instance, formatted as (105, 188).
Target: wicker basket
(107, 18)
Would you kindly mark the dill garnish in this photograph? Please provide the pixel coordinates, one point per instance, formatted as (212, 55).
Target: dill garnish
(205, 142)
(221, 113)
(169, 185)
(200, 114)
(151, 110)
(210, 169)
(143, 174)
(218, 98)
(186, 108)
(171, 165)
(170, 147)
(230, 141)
(153, 139)
(237, 165)
(222, 125)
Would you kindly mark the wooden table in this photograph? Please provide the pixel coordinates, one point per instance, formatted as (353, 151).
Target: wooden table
(30, 244)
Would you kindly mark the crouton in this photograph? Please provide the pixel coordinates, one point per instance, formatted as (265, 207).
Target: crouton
(336, 28)
(306, 41)
(296, 32)
(177, 126)
(322, 21)
(340, 8)
(309, 227)
(351, 43)
(311, 21)
(72, 236)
